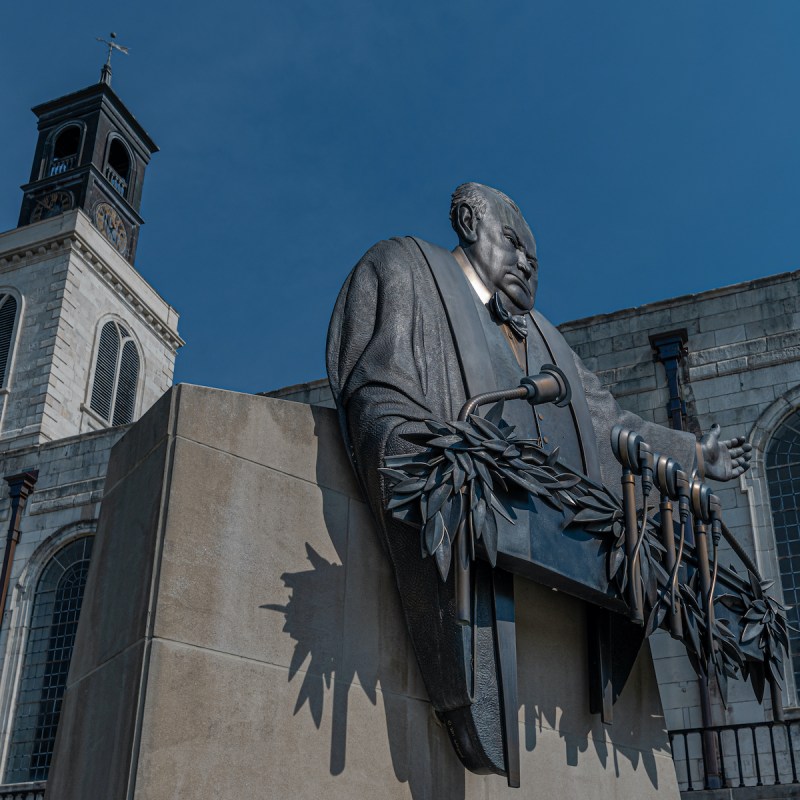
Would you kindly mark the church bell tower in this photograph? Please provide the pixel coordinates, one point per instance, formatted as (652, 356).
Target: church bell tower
(86, 343)
(91, 154)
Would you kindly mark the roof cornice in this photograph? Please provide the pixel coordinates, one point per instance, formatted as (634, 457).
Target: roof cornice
(73, 240)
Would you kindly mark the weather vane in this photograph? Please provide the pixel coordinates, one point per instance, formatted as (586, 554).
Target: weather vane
(105, 73)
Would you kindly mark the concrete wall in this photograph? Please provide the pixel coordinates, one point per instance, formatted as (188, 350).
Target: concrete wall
(315, 393)
(241, 636)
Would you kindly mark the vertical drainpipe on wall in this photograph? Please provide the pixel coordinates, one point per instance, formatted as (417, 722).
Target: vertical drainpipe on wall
(668, 350)
(20, 487)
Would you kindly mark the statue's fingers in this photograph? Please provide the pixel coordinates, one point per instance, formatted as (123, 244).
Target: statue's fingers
(737, 441)
(736, 452)
(741, 465)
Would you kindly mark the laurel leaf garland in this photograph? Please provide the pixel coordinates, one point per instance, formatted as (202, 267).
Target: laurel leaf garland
(463, 477)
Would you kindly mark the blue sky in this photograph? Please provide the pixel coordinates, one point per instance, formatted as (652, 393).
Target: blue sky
(654, 147)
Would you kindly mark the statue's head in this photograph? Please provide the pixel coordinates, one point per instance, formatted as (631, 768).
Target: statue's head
(498, 243)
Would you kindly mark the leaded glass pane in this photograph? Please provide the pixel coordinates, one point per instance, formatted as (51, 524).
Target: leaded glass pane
(54, 623)
(783, 477)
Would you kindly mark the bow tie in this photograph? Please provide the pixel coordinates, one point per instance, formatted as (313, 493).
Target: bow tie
(500, 314)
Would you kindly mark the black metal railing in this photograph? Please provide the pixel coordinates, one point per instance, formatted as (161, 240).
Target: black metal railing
(750, 754)
(23, 791)
(116, 180)
(59, 165)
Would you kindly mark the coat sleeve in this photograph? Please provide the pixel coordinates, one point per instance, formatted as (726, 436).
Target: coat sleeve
(390, 357)
(606, 413)
(392, 365)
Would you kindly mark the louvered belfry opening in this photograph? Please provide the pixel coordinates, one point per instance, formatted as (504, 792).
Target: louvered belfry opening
(54, 623)
(126, 386)
(116, 375)
(8, 316)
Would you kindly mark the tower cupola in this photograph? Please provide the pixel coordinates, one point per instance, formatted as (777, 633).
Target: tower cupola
(91, 154)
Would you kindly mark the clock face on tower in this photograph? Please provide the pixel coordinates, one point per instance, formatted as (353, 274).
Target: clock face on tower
(111, 225)
(51, 205)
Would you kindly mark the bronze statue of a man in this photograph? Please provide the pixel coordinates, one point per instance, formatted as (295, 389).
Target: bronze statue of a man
(416, 331)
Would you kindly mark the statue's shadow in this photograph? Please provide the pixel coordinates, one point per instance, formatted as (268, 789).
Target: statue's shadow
(344, 617)
(421, 754)
(554, 691)
(372, 659)
(315, 605)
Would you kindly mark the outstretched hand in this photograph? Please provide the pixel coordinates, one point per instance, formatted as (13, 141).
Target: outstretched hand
(725, 460)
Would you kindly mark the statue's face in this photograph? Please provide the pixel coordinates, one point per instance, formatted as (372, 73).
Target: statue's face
(504, 256)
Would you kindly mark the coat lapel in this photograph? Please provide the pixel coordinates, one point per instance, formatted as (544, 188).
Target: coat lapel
(473, 350)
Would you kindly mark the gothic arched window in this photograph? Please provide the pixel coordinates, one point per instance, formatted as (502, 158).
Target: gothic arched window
(54, 623)
(116, 374)
(8, 317)
(783, 477)
(118, 166)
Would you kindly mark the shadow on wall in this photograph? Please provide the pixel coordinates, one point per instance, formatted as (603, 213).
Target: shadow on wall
(314, 604)
(357, 598)
(554, 692)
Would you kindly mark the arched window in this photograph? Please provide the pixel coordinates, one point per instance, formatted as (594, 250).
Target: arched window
(54, 623)
(118, 166)
(783, 477)
(116, 374)
(65, 150)
(8, 316)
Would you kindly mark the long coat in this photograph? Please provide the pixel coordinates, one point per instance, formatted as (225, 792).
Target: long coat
(396, 356)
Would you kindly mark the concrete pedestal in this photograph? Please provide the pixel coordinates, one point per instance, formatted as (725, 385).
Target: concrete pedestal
(241, 637)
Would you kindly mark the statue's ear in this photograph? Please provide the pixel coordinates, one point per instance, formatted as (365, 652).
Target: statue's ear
(466, 223)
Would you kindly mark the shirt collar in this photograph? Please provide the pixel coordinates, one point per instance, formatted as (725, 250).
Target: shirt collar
(478, 286)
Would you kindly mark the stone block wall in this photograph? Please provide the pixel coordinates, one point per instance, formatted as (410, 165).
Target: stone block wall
(64, 505)
(36, 277)
(742, 371)
(70, 281)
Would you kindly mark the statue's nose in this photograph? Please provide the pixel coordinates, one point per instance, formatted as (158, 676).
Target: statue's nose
(522, 263)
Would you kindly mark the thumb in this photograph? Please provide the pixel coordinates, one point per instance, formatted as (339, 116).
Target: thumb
(714, 432)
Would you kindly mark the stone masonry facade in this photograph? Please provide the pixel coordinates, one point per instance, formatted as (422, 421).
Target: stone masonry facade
(742, 371)
(64, 506)
(70, 281)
